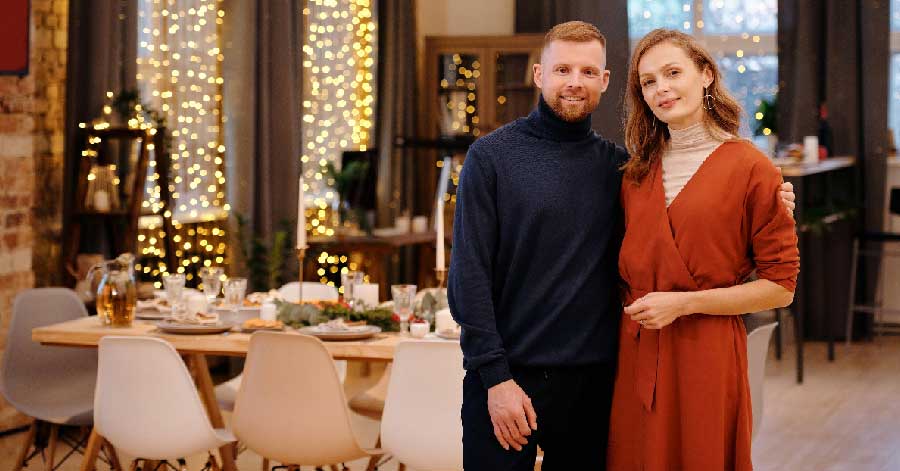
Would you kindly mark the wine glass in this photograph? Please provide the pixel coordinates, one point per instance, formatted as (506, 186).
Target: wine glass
(403, 295)
(235, 289)
(212, 283)
(349, 280)
(174, 283)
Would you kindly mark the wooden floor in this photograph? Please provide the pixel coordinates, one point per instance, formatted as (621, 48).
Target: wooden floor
(846, 416)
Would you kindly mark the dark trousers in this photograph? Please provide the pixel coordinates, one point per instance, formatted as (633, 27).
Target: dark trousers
(572, 406)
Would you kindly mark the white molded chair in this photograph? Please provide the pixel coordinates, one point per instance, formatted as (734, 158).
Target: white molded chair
(226, 393)
(54, 385)
(421, 425)
(757, 353)
(291, 406)
(146, 403)
(311, 291)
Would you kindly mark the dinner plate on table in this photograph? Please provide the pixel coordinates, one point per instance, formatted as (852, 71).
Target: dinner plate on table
(151, 315)
(172, 327)
(353, 333)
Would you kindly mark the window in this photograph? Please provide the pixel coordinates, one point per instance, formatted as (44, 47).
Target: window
(740, 34)
(894, 82)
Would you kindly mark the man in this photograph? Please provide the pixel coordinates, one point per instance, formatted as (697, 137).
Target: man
(533, 278)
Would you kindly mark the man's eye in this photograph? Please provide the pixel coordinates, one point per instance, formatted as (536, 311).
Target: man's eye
(562, 70)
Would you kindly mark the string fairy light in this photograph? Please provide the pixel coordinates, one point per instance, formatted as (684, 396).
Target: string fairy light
(339, 68)
(179, 72)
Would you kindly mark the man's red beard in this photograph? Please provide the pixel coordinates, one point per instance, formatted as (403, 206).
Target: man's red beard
(571, 113)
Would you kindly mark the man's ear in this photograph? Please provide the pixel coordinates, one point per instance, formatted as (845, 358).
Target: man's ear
(538, 75)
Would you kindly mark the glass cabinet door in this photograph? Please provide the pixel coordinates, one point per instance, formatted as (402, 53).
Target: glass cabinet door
(459, 81)
(514, 88)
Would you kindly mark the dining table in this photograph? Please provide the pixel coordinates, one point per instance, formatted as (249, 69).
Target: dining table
(87, 332)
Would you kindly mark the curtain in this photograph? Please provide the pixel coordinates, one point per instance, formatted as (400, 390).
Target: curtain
(101, 57)
(397, 102)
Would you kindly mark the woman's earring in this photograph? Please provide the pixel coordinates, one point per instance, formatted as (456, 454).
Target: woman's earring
(708, 100)
(654, 125)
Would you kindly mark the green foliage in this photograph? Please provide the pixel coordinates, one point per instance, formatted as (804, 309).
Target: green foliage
(265, 264)
(302, 315)
(352, 174)
(769, 110)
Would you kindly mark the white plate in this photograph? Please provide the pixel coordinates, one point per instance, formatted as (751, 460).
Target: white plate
(173, 327)
(363, 332)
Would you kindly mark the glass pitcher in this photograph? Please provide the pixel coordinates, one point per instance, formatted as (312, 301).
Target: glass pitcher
(117, 292)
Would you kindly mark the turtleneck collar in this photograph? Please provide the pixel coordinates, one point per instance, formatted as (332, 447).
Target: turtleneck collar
(546, 123)
(691, 137)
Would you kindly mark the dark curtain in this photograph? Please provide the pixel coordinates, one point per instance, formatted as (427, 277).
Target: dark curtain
(836, 52)
(278, 94)
(538, 16)
(263, 92)
(101, 57)
(397, 103)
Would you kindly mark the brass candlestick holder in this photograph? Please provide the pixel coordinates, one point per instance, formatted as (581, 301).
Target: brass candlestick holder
(301, 256)
(441, 274)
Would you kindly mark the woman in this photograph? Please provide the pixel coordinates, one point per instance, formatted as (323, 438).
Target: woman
(701, 214)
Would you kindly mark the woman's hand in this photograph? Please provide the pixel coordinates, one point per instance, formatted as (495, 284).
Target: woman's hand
(657, 310)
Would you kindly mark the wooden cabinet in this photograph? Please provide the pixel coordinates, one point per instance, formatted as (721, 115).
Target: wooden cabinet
(475, 84)
(470, 86)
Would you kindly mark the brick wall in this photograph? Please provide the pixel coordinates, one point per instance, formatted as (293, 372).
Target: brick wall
(31, 164)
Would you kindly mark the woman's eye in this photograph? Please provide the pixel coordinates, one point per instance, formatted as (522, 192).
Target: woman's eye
(674, 72)
(647, 83)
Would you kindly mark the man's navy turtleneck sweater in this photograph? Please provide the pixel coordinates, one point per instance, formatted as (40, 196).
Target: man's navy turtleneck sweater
(533, 274)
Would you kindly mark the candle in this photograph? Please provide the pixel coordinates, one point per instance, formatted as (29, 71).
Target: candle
(101, 201)
(301, 217)
(439, 213)
(439, 223)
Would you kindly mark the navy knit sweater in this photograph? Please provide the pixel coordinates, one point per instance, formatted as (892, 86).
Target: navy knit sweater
(533, 273)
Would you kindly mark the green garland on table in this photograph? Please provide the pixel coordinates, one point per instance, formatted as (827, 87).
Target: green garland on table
(303, 315)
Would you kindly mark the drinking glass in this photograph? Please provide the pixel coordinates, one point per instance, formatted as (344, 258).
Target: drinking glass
(404, 296)
(349, 280)
(212, 283)
(174, 283)
(235, 289)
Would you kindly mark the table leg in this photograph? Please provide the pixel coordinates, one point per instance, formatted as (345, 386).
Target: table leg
(89, 463)
(208, 396)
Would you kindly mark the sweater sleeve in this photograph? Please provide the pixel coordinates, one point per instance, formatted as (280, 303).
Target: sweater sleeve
(772, 230)
(470, 282)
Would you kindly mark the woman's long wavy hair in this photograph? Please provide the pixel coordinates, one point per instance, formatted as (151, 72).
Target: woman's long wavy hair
(646, 137)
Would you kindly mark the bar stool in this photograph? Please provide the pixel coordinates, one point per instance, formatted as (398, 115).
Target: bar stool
(877, 307)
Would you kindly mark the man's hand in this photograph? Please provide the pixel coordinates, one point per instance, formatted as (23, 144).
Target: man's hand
(657, 310)
(787, 195)
(512, 414)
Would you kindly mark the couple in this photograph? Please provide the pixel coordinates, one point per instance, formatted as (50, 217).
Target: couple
(557, 228)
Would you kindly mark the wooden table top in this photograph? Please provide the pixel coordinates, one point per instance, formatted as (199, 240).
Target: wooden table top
(88, 331)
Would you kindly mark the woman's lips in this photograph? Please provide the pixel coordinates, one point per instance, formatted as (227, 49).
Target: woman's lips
(666, 104)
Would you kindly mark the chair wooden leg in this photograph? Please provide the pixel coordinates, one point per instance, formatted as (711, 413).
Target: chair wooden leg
(89, 462)
(51, 447)
(214, 464)
(265, 464)
(373, 460)
(113, 455)
(134, 465)
(26, 445)
(401, 467)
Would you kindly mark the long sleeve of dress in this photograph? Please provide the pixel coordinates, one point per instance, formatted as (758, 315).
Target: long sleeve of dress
(772, 230)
